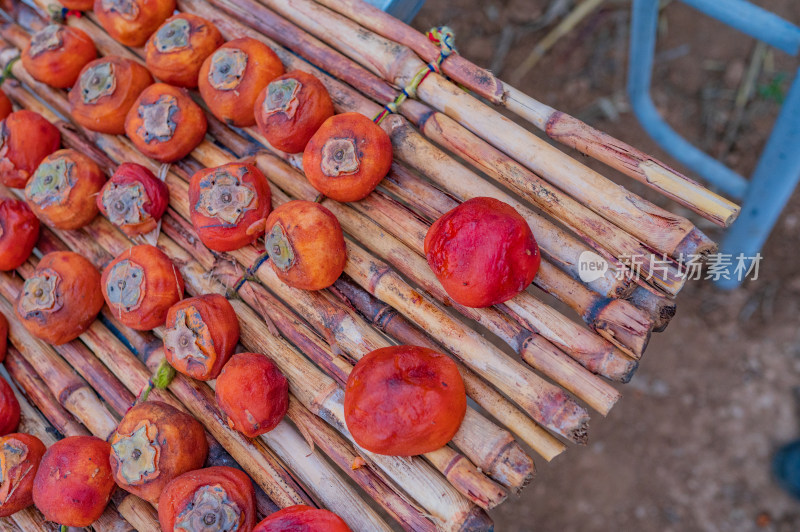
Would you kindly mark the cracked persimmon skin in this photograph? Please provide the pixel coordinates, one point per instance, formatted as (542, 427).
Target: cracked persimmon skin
(153, 444)
(133, 199)
(26, 138)
(20, 455)
(234, 75)
(105, 91)
(404, 400)
(483, 252)
(347, 157)
(252, 393)
(74, 482)
(229, 205)
(291, 109)
(165, 124)
(218, 496)
(63, 188)
(202, 333)
(9, 409)
(305, 244)
(57, 54)
(140, 286)
(175, 52)
(61, 298)
(302, 518)
(19, 231)
(131, 22)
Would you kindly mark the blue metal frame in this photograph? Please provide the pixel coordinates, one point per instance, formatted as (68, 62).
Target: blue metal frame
(405, 10)
(778, 170)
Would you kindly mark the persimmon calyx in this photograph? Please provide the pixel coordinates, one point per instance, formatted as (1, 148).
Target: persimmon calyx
(339, 157)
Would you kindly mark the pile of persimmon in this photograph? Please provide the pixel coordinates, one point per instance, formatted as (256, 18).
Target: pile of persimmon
(57, 54)
(25, 139)
(133, 199)
(19, 231)
(483, 252)
(347, 157)
(176, 51)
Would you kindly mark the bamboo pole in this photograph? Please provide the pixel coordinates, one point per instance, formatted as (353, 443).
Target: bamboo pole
(556, 124)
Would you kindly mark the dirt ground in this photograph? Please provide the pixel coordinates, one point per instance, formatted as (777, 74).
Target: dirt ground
(688, 446)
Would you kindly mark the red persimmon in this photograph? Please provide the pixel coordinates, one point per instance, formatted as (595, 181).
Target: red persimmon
(25, 139)
(301, 517)
(9, 409)
(19, 231)
(133, 199)
(20, 455)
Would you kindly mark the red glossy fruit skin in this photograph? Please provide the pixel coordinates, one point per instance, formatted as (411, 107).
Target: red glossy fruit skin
(317, 242)
(80, 206)
(223, 325)
(28, 138)
(74, 483)
(373, 147)
(182, 67)
(3, 337)
(252, 383)
(5, 106)
(404, 401)
(79, 292)
(235, 106)
(163, 287)
(60, 67)
(156, 191)
(107, 114)
(78, 5)
(301, 518)
(178, 494)
(183, 446)
(20, 233)
(16, 487)
(189, 131)
(314, 107)
(152, 13)
(215, 233)
(483, 252)
(9, 409)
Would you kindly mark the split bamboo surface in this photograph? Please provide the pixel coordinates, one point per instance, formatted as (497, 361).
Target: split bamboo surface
(528, 367)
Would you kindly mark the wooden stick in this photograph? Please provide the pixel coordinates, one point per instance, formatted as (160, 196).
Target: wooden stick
(660, 308)
(559, 126)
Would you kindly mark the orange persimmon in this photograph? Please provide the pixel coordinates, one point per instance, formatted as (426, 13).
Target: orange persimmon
(61, 299)
(347, 157)
(165, 124)
(56, 55)
(140, 286)
(26, 138)
(404, 400)
(20, 455)
(19, 231)
(131, 22)
(105, 91)
(301, 517)
(176, 51)
(9, 409)
(214, 498)
(229, 205)
(291, 109)
(62, 190)
(232, 77)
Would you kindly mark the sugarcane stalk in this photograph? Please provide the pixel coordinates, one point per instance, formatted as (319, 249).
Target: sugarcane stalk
(558, 125)
(660, 308)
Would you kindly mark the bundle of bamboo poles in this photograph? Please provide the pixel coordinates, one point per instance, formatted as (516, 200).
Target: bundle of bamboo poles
(530, 370)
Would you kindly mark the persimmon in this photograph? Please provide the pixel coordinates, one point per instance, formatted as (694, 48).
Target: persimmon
(133, 199)
(20, 455)
(78, 5)
(234, 75)
(229, 205)
(483, 252)
(165, 124)
(305, 245)
(347, 157)
(56, 55)
(291, 109)
(214, 498)
(252, 393)
(5, 106)
(301, 517)
(74, 482)
(153, 444)
(9, 409)
(404, 400)
(176, 51)
(105, 91)
(61, 299)
(62, 190)
(131, 22)
(3, 337)
(26, 138)
(140, 286)
(19, 231)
